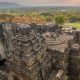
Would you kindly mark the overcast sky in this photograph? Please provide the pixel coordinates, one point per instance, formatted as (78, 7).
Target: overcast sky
(45, 2)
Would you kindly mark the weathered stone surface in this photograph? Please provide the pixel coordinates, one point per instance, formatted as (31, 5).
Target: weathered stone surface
(31, 56)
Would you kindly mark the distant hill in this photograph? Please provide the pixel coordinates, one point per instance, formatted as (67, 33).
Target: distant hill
(9, 5)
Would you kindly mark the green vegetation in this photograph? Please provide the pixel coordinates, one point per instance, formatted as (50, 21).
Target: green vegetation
(75, 24)
(68, 17)
(60, 19)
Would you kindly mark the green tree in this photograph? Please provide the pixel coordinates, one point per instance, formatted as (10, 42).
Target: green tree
(60, 19)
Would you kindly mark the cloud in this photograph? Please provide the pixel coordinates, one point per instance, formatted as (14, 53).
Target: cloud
(45, 2)
(72, 2)
(38, 1)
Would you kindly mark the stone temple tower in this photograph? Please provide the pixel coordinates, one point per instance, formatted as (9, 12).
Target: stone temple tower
(27, 57)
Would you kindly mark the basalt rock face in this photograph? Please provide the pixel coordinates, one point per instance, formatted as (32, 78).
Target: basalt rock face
(74, 64)
(27, 56)
(74, 58)
(3, 75)
(77, 37)
(42, 28)
(3, 69)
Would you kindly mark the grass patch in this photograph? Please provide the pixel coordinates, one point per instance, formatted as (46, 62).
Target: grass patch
(77, 25)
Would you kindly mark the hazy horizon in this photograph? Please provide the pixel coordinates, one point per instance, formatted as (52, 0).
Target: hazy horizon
(45, 2)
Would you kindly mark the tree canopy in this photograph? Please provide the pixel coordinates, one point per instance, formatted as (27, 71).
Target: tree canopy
(60, 19)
